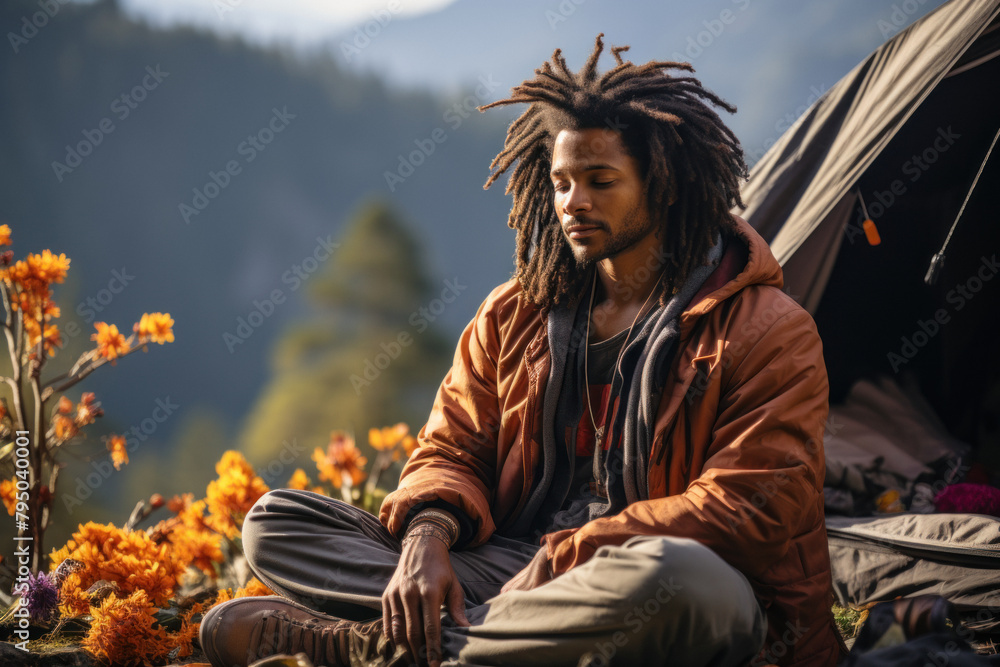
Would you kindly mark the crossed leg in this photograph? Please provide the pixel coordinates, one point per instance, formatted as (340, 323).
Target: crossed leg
(652, 600)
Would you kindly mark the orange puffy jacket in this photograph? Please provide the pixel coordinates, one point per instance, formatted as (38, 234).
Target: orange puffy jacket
(737, 454)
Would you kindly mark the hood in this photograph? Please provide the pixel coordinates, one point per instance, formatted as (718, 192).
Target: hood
(747, 261)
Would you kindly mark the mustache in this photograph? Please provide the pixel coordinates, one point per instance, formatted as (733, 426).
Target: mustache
(580, 220)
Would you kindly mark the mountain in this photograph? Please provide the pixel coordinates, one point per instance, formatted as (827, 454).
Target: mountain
(211, 179)
(772, 58)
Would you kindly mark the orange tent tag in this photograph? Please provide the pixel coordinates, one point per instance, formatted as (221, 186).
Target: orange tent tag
(871, 232)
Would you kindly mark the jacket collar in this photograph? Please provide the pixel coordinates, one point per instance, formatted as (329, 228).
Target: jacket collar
(747, 261)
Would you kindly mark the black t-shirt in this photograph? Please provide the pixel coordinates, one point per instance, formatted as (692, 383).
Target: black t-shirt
(602, 357)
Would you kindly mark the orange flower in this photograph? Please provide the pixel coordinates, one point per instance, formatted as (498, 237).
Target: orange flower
(4, 234)
(232, 495)
(87, 410)
(179, 503)
(53, 339)
(156, 327)
(192, 541)
(124, 632)
(119, 455)
(254, 588)
(386, 438)
(133, 560)
(50, 309)
(8, 489)
(410, 445)
(342, 461)
(299, 480)
(48, 267)
(65, 405)
(65, 427)
(110, 343)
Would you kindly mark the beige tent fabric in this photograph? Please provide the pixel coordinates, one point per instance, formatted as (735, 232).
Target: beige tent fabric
(803, 183)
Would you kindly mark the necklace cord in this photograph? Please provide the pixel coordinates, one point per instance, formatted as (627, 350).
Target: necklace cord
(621, 354)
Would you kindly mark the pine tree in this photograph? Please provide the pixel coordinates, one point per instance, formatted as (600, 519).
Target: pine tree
(365, 358)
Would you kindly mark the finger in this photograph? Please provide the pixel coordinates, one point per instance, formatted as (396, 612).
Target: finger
(432, 632)
(414, 623)
(456, 604)
(387, 617)
(396, 621)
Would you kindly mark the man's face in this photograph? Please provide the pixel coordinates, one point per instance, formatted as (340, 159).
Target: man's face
(599, 197)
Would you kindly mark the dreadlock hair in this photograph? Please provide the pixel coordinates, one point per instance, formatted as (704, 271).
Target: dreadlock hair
(691, 162)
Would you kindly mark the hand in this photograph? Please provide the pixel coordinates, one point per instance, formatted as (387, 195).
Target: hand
(534, 575)
(411, 604)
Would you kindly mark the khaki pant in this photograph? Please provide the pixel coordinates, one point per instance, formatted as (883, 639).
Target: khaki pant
(651, 601)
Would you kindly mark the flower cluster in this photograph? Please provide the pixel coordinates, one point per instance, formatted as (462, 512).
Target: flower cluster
(232, 495)
(342, 462)
(68, 419)
(131, 560)
(124, 632)
(32, 336)
(29, 286)
(396, 439)
(191, 539)
(151, 328)
(132, 582)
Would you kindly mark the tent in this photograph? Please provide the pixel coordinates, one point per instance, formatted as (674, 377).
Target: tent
(900, 140)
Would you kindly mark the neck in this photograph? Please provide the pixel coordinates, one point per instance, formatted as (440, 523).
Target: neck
(625, 284)
(626, 280)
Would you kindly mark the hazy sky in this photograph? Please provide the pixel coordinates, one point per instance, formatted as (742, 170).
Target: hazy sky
(300, 22)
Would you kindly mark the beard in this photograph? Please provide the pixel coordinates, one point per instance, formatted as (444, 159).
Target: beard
(635, 227)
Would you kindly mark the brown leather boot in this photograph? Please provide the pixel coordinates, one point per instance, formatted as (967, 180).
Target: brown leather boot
(239, 632)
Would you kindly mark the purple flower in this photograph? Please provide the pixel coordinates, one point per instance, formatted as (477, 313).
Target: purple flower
(41, 597)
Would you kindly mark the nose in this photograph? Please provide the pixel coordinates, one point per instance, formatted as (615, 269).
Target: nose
(576, 200)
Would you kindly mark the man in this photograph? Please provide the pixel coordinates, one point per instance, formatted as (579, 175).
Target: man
(624, 464)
